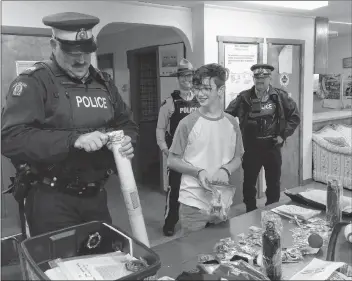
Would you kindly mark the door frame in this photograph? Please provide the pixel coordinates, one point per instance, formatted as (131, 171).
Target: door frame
(132, 65)
(301, 43)
(259, 41)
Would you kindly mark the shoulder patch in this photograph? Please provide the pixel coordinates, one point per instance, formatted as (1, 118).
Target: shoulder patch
(32, 69)
(163, 103)
(17, 88)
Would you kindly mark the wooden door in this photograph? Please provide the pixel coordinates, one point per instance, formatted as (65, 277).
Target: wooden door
(287, 76)
(142, 64)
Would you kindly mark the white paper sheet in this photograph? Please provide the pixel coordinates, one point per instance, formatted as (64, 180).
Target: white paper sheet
(317, 270)
(101, 267)
(238, 59)
(285, 60)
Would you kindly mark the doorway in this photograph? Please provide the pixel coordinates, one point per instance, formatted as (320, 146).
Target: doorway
(287, 56)
(143, 67)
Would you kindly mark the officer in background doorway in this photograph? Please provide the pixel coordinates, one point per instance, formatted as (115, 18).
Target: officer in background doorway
(54, 128)
(267, 116)
(181, 103)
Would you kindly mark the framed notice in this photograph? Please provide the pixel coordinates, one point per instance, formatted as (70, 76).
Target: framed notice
(238, 54)
(347, 62)
(169, 57)
(238, 59)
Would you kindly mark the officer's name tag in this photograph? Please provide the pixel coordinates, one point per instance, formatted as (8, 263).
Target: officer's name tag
(187, 109)
(91, 101)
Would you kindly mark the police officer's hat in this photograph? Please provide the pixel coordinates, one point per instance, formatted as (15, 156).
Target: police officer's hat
(262, 70)
(73, 31)
(184, 67)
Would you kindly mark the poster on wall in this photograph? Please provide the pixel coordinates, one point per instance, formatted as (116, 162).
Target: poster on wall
(347, 90)
(23, 65)
(330, 90)
(238, 59)
(169, 57)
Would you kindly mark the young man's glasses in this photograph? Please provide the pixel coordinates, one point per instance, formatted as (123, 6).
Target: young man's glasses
(187, 76)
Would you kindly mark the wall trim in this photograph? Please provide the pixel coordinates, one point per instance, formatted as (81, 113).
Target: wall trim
(26, 31)
(171, 7)
(259, 11)
(307, 181)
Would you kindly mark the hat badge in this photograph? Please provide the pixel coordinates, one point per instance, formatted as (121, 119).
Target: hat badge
(82, 34)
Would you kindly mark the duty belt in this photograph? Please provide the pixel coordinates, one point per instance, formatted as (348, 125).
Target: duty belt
(76, 188)
(265, 138)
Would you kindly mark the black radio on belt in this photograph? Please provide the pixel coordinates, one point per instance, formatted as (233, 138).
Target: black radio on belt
(256, 105)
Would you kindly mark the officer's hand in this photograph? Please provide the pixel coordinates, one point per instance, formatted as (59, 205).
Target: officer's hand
(166, 152)
(205, 180)
(279, 141)
(91, 141)
(221, 177)
(126, 148)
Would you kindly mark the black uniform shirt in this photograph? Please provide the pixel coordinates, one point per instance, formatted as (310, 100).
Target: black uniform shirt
(45, 112)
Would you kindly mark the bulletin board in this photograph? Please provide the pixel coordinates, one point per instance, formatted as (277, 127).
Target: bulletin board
(169, 57)
(238, 54)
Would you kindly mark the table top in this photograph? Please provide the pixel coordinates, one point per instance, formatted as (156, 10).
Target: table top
(181, 254)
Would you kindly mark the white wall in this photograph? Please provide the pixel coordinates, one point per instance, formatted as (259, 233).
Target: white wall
(339, 48)
(231, 22)
(139, 37)
(30, 14)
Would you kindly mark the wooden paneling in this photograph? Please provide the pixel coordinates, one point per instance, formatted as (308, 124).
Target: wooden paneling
(321, 50)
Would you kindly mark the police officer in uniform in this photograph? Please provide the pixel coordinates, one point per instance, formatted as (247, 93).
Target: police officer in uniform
(181, 103)
(267, 116)
(54, 123)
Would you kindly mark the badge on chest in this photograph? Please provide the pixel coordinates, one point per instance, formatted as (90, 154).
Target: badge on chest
(91, 102)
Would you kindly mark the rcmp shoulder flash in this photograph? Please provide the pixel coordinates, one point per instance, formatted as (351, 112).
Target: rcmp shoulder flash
(18, 88)
(104, 75)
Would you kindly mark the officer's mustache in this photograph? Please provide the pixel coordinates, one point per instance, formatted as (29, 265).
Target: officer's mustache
(79, 65)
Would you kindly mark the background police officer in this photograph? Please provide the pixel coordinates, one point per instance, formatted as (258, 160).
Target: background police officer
(268, 116)
(181, 103)
(54, 120)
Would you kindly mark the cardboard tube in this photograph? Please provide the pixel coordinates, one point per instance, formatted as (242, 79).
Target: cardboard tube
(129, 189)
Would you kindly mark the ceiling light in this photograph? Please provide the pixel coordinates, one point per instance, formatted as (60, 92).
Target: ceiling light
(301, 5)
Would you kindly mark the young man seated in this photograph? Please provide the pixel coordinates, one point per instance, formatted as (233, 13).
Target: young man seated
(207, 148)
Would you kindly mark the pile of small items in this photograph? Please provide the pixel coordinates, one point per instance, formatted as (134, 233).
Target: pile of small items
(314, 225)
(231, 262)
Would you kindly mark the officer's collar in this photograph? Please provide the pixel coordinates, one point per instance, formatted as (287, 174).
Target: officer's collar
(186, 95)
(257, 92)
(251, 93)
(97, 74)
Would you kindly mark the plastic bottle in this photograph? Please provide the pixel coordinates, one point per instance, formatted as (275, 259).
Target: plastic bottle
(334, 193)
(271, 245)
